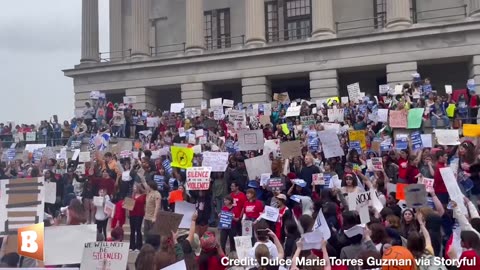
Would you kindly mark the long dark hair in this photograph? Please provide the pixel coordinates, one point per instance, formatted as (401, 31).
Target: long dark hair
(471, 240)
(416, 244)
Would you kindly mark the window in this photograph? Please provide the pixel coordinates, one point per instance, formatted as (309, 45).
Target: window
(271, 10)
(298, 19)
(217, 29)
(380, 12)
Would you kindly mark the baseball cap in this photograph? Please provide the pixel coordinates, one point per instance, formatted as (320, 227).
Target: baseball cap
(282, 197)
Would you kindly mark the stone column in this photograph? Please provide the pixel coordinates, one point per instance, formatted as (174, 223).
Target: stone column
(475, 72)
(116, 42)
(90, 53)
(323, 84)
(256, 90)
(193, 94)
(322, 18)
(398, 14)
(145, 99)
(195, 42)
(141, 28)
(255, 23)
(400, 73)
(474, 8)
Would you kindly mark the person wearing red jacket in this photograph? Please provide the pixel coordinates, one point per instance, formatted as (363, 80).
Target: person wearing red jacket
(438, 181)
(233, 231)
(119, 215)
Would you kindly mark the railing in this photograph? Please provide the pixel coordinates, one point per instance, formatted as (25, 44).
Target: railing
(284, 34)
(458, 11)
(110, 58)
(224, 42)
(170, 48)
(377, 22)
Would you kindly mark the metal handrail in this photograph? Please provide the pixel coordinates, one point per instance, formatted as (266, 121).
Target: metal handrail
(154, 50)
(108, 59)
(227, 39)
(464, 14)
(277, 38)
(380, 18)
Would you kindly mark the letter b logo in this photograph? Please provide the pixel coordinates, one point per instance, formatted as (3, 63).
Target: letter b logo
(31, 242)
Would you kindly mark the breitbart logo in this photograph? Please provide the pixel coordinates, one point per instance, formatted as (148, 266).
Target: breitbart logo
(31, 241)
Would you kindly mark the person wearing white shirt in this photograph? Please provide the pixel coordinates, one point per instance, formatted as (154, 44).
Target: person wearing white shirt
(263, 233)
(101, 217)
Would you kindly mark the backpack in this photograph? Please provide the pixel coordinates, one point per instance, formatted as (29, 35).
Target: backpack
(428, 263)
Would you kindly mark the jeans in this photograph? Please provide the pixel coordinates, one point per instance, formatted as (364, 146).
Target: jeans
(124, 189)
(74, 138)
(445, 119)
(147, 227)
(102, 227)
(122, 131)
(136, 232)
(228, 233)
(57, 135)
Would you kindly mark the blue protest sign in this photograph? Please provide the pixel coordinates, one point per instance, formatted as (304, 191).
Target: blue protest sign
(356, 145)
(416, 140)
(401, 144)
(225, 221)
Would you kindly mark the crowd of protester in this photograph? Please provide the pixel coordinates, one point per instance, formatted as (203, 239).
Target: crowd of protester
(422, 233)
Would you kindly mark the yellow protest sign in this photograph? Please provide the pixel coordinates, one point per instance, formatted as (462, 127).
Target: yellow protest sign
(285, 129)
(182, 157)
(330, 100)
(451, 110)
(470, 130)
(358, 135)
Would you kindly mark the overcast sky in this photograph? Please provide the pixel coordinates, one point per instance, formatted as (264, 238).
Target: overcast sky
(38, 40)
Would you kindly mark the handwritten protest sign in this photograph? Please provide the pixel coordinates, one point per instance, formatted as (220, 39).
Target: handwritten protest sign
(416, 195)
(176, 107)
(291, 149)
(447, 136)
(398, 119)
(330, 144)
(250, 139)
(187, 210)
(109, 208)
(281, 97)
(358, 135)
(270, 214)
(166, 223)
(225, 220)
(415, 117)
(31, 136)
(228, 103)
(198, 178)
(354, 91)
(293, 111)
(428, 182)
(84, 157)
(50, 192)
(426, 140)
(243, 244)
(382, 115)
(359, 202)
(218, 161)
(335, 115)
(105, 256)
(258, 165)
(128, 203)
(130, 99)
(383, 89)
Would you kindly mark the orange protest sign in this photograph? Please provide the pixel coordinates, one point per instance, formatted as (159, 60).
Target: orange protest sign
(400, 194)
(398, 119)
(471, 130)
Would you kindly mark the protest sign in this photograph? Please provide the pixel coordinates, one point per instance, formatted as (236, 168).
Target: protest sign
(258, 165)
(415, 195)
(264, 178)
(281, 97)
(447, 136)
(291, 149)
(235, 115)
(317, 179)
(415, 118)
(176, 107)
(354, 91)
(182, 157)
(400, 191)
(180, 265)
(84, 156)
(312, 240)
(383, 89)
(270, 214)
(448, 89)
(330, 144)
(401, 141)
(250, 139)
(94, 95)
(428, 182)
(293, 111)
(344, 100)
(166, 223)
(105, 256)
(72, 236)
(471, 130)
(335, 115)
(275, 183)
(218, 161)
(225, 220)
(187, 210)
(359, 201)
(216, 102)
(50, 192)
(382, 115)
(31, 136)
(452, 187)
(247, 227)
(331, 126)
(355, 145)
(228, 103)
(109, 208)
(243, 245)
(307, 121)
(426, 140)
(128, 203)
(358, 135)
(398, 119)
(198, 178)
(416, 140)
(377, 164)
